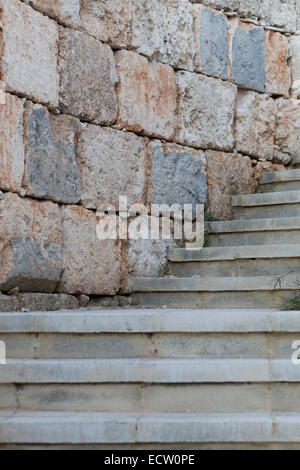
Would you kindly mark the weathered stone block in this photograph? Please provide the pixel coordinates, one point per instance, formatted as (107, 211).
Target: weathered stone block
(163, 30)
(227, 5)
(205, 111)
(90, 265)
(247, 53)
(11, 143)
(288, 127)
(65, 12)
(227, 174)
(87, 78)
(30, 244)
(51, 170)
(112, 164)
(279, 13)
(211, 39)
(255, 124)
(295, 65)
(178, 174)
(147, 95)
(278, 73)
(107, 20)
(29, 52)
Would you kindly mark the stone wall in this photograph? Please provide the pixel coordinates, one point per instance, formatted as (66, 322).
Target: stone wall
(153, 99)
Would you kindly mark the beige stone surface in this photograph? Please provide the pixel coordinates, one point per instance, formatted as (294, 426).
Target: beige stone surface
(278, 73)
(112, 164)
(30, 244)
(295, 64)
(163, 30)
(288, 126)
(255, 124)
(107, 20)
(90, 265)
(263, 167)
(279, 13)
(29, 43)
(227, 174)
(205, 111)
(146, 94)
(63, 11)
(11, 143)
(87, 78)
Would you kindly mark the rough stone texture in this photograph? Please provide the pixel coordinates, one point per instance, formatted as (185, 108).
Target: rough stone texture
(163, 30)
(30, 244)
(211, 31)
(178, 174)
(11, 143)
(279, 13)
(205, 111)
(278, 73)
(107, 20)
(227, 5)
(255, 124)
(295, 65)
(147, 95)
(88, 78)
(263, 167)
(247, 55)
(29, 52)
(288, 127)
(298, 15)
(63, 11)
(90, 265)
(37, 302)
(51, 170)
(112, 164)
(227, 174)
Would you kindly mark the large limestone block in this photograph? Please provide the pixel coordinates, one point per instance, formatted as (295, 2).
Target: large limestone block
(247, 55)
(65, 12)
(11, 143)
(288, 127)
(87, 78)
(278, 73)
(227, 174)
(178, 174)
(112, 164)
(30, 244)
(28, 54)
(163, 30)
(255, 124)
(211, 32)
(295, 65)
(90, 265)
(147, 95)
(205, 111)
(107, 20)
(51, 170)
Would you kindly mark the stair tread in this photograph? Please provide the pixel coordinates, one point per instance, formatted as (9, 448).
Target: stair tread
(255, 225)
(266, 199)
(280, 176)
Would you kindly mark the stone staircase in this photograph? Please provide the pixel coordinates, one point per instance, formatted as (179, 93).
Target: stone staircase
(171, 378)
(251, 262)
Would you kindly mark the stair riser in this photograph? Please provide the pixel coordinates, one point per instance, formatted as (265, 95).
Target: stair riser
(169, 345)
(279, 186)
(261, 212)
(255, 238)
(235, 268)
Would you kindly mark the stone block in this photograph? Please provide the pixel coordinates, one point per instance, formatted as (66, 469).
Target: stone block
(227, 174)
(211, 39)
(205, 111)
(87, 78)
(227, 5)
(279, 13)
(11, 143)
(107, 20)
(147, 95)
(65, 12)
(178, 174)
(51, 170)
(255, 124)
(35, 302)
(288, 127)
(163, 31)
(112, 164)
(247, 55)
(278, 73)
(29, 52)
(30, 244)
(90, 265)
(295, 65)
